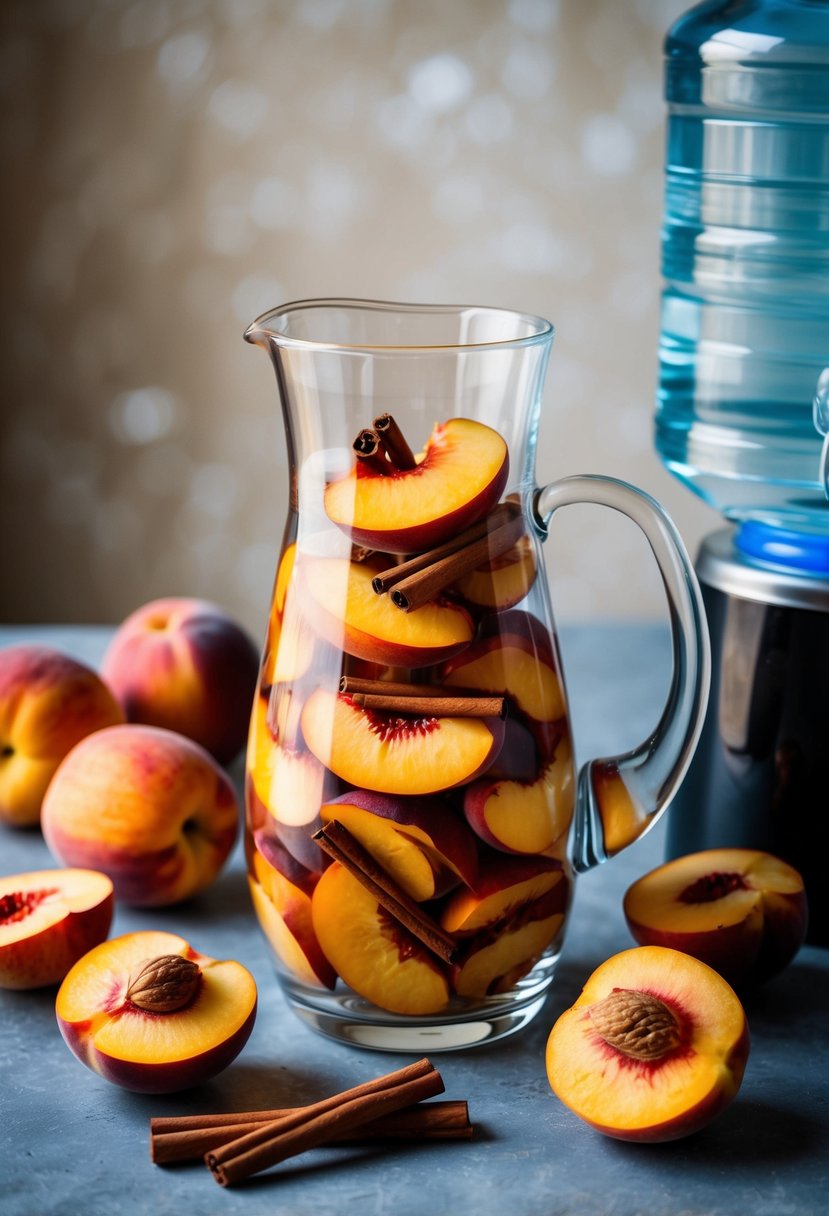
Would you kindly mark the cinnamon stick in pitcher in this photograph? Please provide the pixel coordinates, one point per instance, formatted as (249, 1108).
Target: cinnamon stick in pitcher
(392, 439)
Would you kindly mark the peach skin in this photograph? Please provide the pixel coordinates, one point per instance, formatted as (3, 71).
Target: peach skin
(186, 665)
(148, 807)
(48, 703)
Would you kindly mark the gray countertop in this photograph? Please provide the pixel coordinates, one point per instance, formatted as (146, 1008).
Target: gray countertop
(78, 1146)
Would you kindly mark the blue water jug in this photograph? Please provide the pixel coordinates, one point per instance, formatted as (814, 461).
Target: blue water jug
(745, 244)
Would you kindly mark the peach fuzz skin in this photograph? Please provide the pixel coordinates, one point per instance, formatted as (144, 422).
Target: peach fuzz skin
(154, 1053)
(147, 807)
(670, 1095)
(186, 665)
(48, 920)
(48, 703)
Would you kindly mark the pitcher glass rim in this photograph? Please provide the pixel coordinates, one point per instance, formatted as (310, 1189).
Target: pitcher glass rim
(540, 329)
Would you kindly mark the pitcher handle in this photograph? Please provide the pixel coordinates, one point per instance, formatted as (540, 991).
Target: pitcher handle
(618, 798)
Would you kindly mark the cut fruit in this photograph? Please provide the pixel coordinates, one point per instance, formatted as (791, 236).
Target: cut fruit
(372, 952)
(654, 1048)
(397, 755)
(524, 817)
(349, 614)
(281, 891)
(420, 842)
(152, 1052)
(512, 953)
(503, 582)
(741, 911)
(461, 476)
(505, 888)
(511, 664)
(290, 783)
(48, 920)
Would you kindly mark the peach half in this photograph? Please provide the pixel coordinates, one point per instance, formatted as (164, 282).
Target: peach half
(653, 1049)
(348, 613)
(524, 816)
(421, 842)
(148, 807)
(48, 920)
(148, 1012)
(460, 476)
(375, 955)
(48, 703)
(395, 754)
(281, 889)
(742, 911)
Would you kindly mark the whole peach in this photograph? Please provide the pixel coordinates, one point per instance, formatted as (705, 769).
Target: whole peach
(48, 703)
(186, 665)
(146, 806)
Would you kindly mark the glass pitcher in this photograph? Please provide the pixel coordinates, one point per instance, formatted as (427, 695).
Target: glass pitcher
(414, 818)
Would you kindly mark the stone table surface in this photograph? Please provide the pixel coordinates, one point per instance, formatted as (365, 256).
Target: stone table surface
(75, 1145)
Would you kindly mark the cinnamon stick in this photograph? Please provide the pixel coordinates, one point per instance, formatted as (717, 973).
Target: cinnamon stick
(352, 684)
(189, 1137)
(389, 578)
(399, 453)
(423, 585)
(433, 707)
(314, 1125)
(368, 450)
(336, 840)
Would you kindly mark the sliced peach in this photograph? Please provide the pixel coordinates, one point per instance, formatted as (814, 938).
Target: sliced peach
(507, 956)
(461, 475)
(420, 842)
(349, 614)
(290, 648)
(503, 582)
(281, 890)
(372, 952)
(48, 920)
(654, 1048)
(621, 818)
(397, 755)
(524, 816)
(506, 886)
(741, 911)
(514, 665)
(290, 782)
(147, 1049)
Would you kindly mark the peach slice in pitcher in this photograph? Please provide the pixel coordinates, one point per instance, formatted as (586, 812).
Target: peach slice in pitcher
(281, 890)
(459, 477)
(371, 951)
(396, 754)
(348, 613)
(524, 816)
(421, 842)
(503, 582)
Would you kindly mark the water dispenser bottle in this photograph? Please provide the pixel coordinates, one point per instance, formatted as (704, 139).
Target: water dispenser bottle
(743, 413)
(745, 244)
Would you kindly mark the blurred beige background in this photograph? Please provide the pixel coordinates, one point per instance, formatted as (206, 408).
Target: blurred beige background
(174, 167)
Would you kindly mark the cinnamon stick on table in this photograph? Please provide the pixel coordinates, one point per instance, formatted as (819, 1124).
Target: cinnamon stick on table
(314, 1125)
(189, 1137)
(336, 840)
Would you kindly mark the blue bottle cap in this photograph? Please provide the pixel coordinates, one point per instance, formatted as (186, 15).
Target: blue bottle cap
(804, 551)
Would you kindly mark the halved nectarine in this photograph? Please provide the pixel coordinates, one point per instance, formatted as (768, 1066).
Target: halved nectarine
(48, 920)
(742, 911)
(348, 613)
(461, 475)
(394, 754)
(654, 1048)
(371, 951)
(182, 1027)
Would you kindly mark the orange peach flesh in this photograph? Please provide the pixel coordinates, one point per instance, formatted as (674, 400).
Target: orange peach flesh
(510, 948)
(374, 955)
(461, 475)
(92, 1003)
(468, 912)
(284, 912)
(519, 672)
(350, 614)
(659, 1099)
(396, 852)
(502, 583)
(529, 817)
(290, 784)
(396, 756)
(48, 919)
